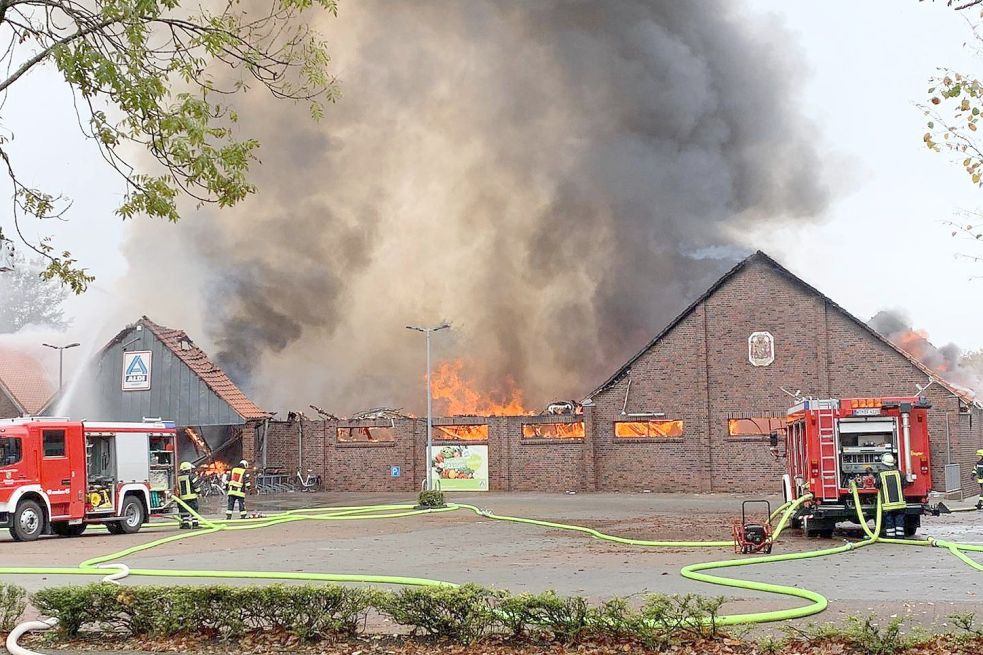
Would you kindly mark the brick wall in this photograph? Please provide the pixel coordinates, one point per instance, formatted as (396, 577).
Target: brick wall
(698, 372)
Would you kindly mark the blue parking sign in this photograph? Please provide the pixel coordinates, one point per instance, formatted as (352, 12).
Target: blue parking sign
(394, 471)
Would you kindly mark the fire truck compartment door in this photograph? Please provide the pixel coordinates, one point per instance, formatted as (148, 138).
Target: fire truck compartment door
(866, 427)
(132, 457)
(60, 480)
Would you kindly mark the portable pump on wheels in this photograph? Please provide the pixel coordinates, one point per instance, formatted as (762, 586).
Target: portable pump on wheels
(833, 444)
(753, 536)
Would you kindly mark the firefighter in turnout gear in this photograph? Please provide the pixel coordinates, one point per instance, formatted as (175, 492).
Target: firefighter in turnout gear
(978, 476)
(236, 489)
(188, 487)
(892, 499)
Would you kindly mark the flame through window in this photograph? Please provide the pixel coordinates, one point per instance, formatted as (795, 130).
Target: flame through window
(553, 430)
(366, 434)
(461, 432)
(660, 428)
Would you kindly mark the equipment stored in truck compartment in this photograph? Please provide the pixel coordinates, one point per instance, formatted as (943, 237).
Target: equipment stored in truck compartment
(58, 476)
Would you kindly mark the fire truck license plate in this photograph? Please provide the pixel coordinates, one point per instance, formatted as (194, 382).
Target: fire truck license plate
(867, 411)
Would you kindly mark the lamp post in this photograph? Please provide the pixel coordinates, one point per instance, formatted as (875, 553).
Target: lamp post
(61, 357)
(427, 331)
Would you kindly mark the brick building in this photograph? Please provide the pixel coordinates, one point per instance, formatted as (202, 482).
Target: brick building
(25, 388)
(689, 412)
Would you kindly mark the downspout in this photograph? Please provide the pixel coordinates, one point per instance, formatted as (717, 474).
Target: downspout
(300, 442)
(948, 443)
(266, 436)
(706, 369)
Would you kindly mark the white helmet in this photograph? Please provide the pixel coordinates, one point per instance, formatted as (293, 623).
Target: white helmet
(244, 464)
(888, 459)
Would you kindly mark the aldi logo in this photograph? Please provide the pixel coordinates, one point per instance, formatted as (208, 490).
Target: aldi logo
(136, 370)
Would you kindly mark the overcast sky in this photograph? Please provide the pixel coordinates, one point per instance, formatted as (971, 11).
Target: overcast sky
(881, 244)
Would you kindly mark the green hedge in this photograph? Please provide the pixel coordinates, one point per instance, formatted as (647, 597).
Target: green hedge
(461, 614)
(13, 602)
(309, 612)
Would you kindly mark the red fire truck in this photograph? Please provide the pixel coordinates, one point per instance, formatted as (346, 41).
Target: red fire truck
(58, 476)
(833, 443)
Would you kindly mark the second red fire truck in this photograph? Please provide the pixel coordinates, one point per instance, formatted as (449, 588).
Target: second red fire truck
(832, 444)
(59, 476)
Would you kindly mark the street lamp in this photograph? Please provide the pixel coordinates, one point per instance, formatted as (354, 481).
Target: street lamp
(61, 352)
(427, 331)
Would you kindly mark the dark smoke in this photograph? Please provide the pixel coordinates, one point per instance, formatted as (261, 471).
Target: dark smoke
(556, 178)
(947, 361)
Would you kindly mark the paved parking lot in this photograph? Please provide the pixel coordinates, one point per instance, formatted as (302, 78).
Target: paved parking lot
(927, 583)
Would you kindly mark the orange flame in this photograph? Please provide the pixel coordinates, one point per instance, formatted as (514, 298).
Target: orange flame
(455, 394)
(461, 432)
(916, 344)
(553, 430)
(216, 468)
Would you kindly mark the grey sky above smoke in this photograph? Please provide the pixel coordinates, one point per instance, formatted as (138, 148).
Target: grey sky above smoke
(557, 179)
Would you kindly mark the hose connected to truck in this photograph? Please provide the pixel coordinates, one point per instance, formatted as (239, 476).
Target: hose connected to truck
(817, 602)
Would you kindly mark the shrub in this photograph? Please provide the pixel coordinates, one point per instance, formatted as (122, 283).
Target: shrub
(560, 617)
(313, 612)
(463, 614)
(690, 613)
(13, 601)
(75, 607)
(309, 612)
(431, 499)
(871, 639)
(318, 612)
(967, 623)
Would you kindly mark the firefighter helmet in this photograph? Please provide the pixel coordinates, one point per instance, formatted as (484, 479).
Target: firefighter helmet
(244, 464)
(186, 466)
(979, 453)
(888, 459)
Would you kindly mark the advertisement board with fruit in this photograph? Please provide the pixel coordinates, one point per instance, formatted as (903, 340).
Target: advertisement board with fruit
(460, 468)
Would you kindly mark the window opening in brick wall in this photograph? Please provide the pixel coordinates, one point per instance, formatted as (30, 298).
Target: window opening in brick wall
(659, 428)
(461, 432)
(553, 430)
(366, 434)
(760, 426)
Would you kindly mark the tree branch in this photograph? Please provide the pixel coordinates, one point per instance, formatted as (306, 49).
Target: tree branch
(39, 57)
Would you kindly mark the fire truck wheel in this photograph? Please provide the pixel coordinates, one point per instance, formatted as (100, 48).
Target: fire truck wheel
(65, 530)
(28, 523)
(818, 528)
(133, 515)
(911, 525)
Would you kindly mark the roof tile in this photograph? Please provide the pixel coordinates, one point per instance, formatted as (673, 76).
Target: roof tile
(24, 379)
(211, 375)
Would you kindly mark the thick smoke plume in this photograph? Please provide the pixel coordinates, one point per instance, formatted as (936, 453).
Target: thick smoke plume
(947, 361)
(555, 178)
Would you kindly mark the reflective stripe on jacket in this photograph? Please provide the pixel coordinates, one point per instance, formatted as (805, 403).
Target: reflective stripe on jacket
(187, 485)
(892, 496)
(237, 482)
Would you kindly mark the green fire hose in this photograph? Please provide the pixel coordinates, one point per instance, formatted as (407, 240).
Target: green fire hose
(816, 602)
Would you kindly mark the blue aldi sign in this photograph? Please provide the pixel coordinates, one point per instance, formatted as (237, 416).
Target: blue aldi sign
(136, 370)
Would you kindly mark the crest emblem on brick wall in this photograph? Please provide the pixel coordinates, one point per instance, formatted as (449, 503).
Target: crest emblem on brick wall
(761, 348)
